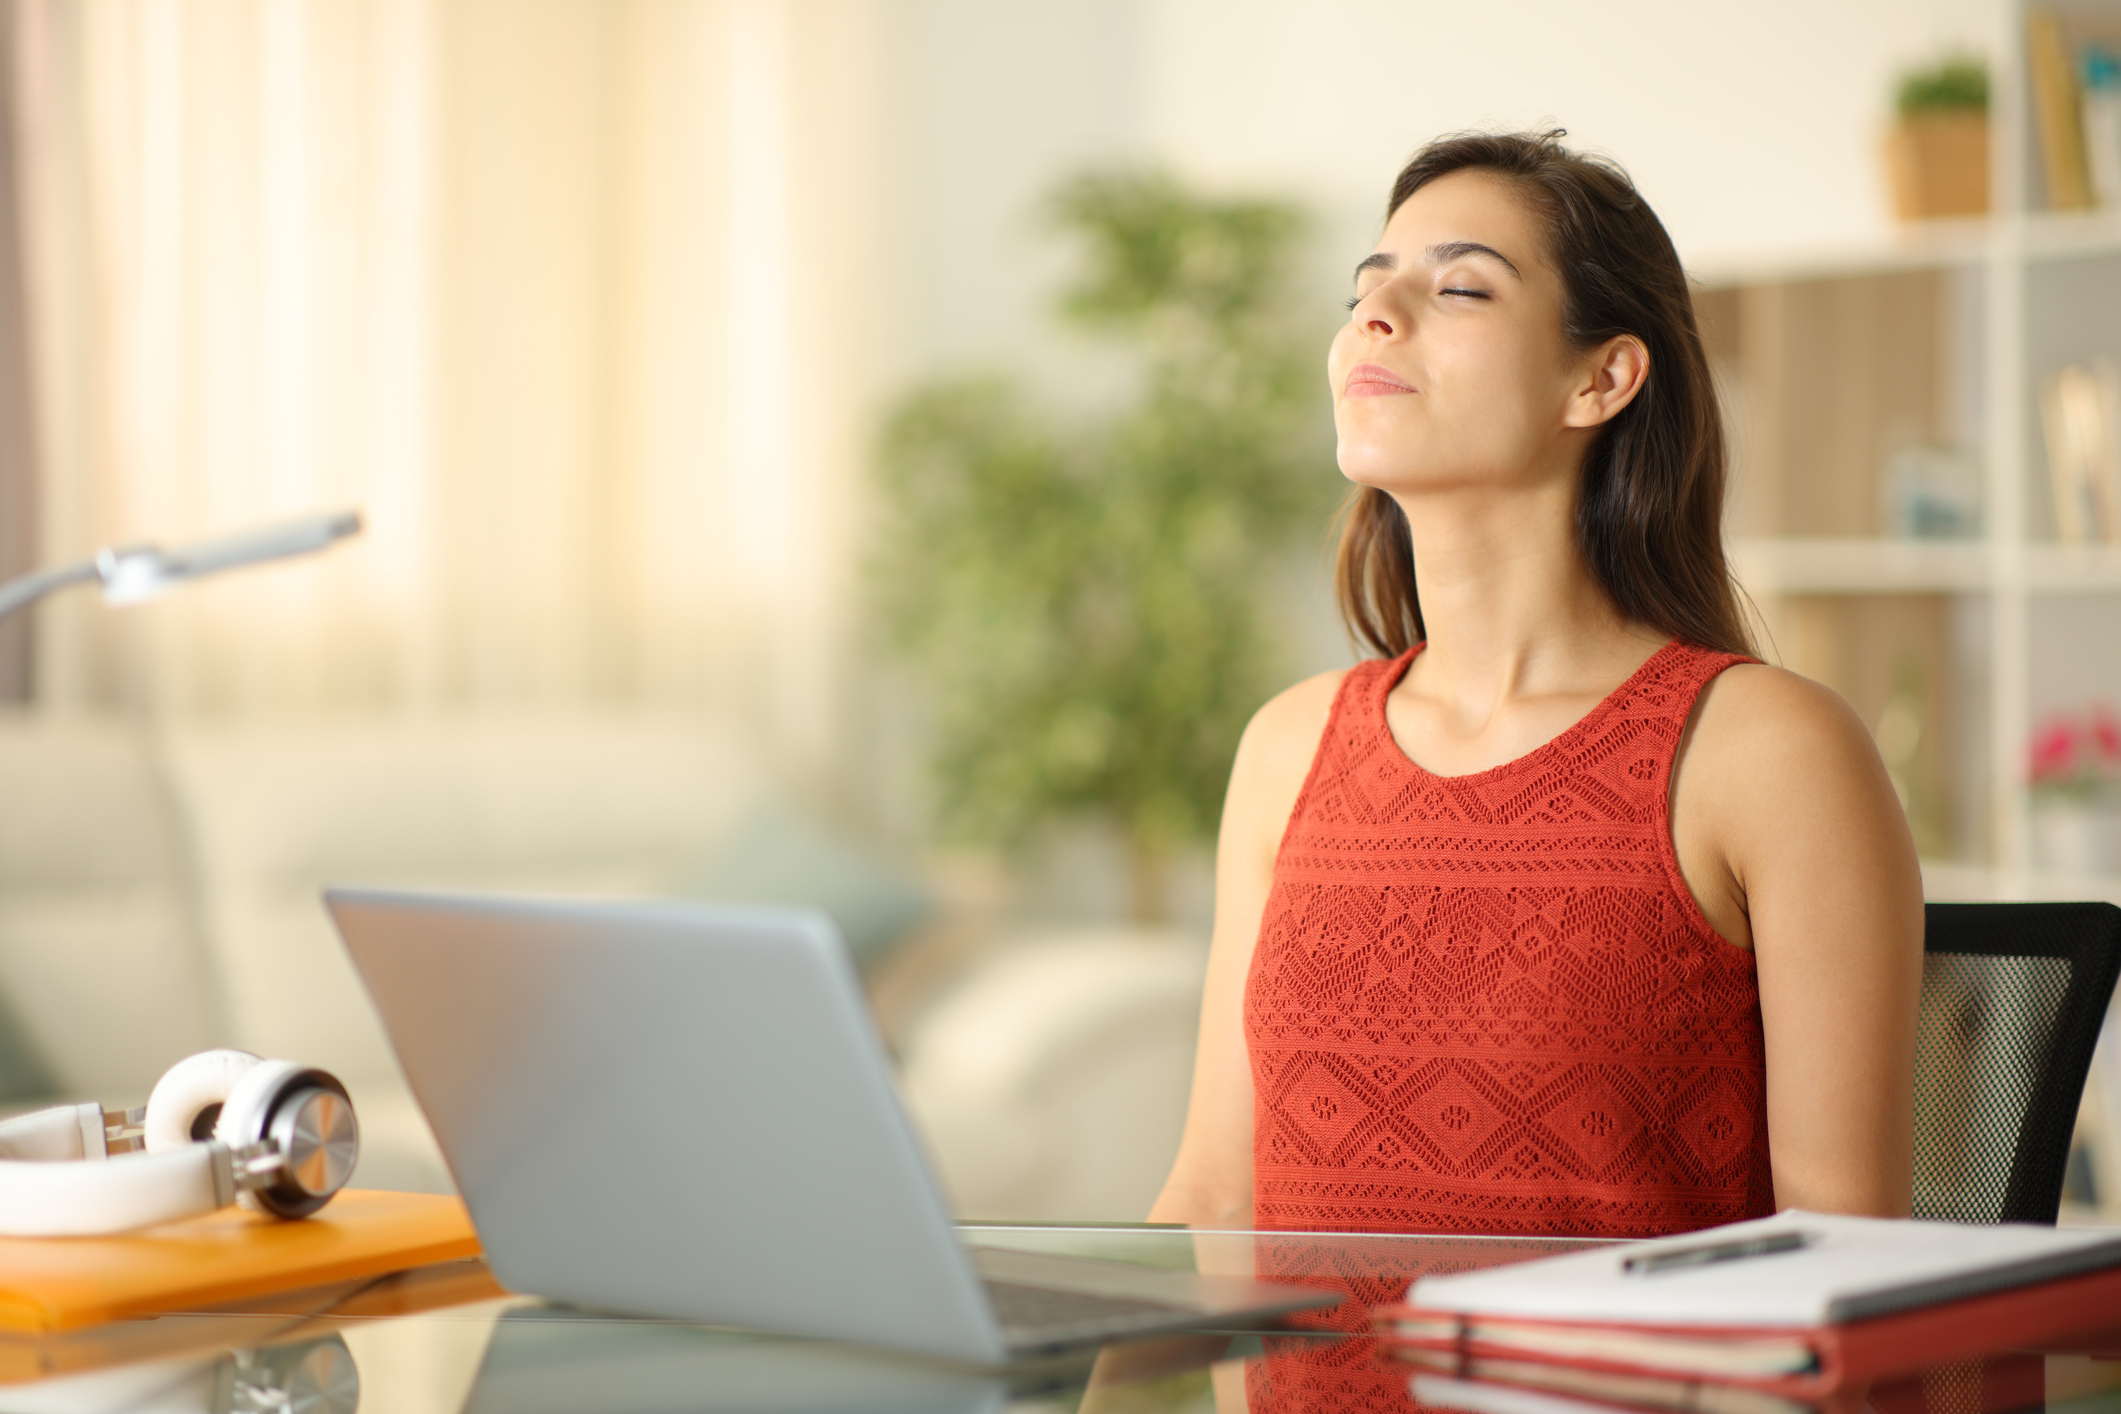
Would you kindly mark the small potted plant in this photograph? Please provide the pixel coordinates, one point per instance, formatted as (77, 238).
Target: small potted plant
(2076, 783)
(1937, 153)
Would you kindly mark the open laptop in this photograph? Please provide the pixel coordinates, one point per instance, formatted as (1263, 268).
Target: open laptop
(683, 1111)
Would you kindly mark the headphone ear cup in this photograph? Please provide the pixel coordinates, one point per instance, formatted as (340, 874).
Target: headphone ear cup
(186, 1104)
(308, 1113)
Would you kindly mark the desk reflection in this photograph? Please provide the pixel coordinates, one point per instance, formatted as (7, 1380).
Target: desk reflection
(312, 1376)
(449, 1343)
(541, 1361)
(1295, 1375)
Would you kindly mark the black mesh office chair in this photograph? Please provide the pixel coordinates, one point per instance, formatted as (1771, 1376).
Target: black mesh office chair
(2013, 995)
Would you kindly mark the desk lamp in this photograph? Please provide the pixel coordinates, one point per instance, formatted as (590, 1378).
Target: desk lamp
(132, 574)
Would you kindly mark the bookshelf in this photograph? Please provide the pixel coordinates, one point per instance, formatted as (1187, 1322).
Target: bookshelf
(1830, 360)
(1950, 649)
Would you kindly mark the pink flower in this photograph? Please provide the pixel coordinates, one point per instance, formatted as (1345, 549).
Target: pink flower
(2055, 748)
(2106, 734)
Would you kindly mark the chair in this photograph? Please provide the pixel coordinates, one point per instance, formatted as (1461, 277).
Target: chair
(2013, 998)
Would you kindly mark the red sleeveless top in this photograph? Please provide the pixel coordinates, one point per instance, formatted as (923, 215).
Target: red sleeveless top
(1489, 1003)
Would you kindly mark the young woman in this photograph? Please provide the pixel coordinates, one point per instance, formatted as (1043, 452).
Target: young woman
(1565, 915)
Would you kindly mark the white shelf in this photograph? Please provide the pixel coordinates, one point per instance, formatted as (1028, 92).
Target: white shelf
(2073, 567)
(1853, 566)
(1857, 566)
(1922, 245)
(1951, 882)
(2069, 235)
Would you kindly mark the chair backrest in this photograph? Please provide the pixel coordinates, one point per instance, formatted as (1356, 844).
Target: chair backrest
(2013, 997)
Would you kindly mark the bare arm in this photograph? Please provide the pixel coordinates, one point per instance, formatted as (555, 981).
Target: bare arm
(1211, 1180)
(1790, 834)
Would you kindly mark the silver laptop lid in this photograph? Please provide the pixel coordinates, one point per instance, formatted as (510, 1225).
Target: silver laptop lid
(562, 1052)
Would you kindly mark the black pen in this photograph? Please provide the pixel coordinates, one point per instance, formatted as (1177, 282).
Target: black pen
(1650, 1263)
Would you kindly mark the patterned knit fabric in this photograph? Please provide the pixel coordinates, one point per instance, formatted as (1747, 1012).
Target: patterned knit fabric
(1489, 1003)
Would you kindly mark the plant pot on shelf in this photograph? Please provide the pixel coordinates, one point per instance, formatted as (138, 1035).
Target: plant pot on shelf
(1939, 165)
(2077, 836)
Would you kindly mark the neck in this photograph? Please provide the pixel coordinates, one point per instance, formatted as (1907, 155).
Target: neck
(1508, 603)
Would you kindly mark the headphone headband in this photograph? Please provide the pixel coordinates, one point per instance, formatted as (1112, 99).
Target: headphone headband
(94, 1199)
(56, 1134)
(284, 1141)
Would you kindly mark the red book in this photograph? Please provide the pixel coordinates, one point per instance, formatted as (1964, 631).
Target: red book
(1913, 1303)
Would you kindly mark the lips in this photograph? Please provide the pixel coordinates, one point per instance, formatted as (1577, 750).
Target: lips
(1373, 380)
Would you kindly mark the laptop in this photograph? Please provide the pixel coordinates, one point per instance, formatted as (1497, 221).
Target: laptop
(683, 1110)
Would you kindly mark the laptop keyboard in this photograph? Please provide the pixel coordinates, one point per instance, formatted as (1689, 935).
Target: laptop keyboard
(1048, 1313)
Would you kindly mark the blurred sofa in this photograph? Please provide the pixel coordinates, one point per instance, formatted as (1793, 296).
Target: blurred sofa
(1051, 1082)
(96, 963)
(159, 893)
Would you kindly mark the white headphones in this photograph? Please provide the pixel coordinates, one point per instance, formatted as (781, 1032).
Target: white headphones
(221, 1127)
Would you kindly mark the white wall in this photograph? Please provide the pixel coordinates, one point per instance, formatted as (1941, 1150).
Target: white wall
(1750, 126)
(987, 103)
(1747, 125)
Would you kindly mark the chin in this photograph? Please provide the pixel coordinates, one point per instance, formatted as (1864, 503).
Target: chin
(1384, 452)
(1398, 476)
(1386, 470)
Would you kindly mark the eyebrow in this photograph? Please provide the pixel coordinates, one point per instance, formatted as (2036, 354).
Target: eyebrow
(1439, 255)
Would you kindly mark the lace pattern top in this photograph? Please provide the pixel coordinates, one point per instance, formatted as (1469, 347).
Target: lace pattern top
(1489, 1003)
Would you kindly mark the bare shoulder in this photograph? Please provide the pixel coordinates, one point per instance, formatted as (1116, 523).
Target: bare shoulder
(1786, 780)
(1755, 720)
(1274, 756)
(1292, 719)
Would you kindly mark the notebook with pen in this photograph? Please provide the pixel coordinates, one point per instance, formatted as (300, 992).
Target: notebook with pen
(1797, 1302)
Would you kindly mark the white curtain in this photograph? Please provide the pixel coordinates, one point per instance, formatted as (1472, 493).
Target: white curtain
(570, 297)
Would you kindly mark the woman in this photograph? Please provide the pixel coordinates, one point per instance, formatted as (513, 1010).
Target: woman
(1564, 916)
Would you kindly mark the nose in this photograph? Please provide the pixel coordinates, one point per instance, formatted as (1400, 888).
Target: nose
(1381, 313)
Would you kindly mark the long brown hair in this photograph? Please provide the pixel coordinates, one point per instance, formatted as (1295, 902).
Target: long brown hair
(1649, 515)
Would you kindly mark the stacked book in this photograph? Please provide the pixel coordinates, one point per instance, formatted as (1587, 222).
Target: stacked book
(2076, 91)
(2080, 410)
(1763, 1317)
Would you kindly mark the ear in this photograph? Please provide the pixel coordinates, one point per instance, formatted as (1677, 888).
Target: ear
(1613, 373)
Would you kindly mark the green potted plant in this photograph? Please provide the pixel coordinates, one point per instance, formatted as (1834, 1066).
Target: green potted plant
(1084, 602)
(1937, 150)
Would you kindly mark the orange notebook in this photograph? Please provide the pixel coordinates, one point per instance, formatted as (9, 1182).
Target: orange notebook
(63, 1283)
(237, 1325)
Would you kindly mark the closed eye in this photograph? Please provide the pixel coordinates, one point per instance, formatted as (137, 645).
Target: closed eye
(1469, 294)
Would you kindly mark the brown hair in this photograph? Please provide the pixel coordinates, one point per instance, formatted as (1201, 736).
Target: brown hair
(1649, 515)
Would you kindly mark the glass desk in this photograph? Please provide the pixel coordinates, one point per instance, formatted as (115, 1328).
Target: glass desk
(445, 1340)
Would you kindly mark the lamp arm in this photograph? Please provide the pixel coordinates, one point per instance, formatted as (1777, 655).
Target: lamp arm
(277, 542)
(25, 590)
(132, 573)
